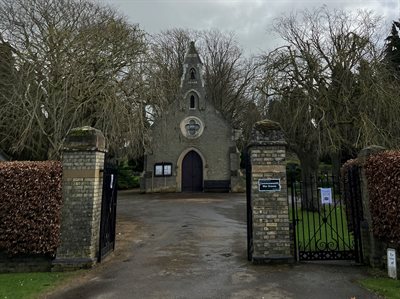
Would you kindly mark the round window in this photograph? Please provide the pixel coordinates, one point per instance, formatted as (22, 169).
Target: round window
(192, 127)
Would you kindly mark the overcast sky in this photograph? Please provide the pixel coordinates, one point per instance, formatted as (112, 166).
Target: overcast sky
(249, 19)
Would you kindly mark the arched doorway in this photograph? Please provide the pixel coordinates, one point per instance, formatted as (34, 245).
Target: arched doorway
(192, 172)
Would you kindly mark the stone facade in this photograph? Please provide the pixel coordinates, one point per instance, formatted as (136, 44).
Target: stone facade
(83, 160)
(270, 210)
(191, 124)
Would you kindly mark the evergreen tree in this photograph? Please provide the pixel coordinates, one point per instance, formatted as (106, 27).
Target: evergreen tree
(392, 49)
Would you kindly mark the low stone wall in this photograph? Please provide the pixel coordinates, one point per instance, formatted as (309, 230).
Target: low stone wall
(25, 263)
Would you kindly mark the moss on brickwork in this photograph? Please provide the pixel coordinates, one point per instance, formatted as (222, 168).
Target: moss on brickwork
(267, 125)
(84, 138)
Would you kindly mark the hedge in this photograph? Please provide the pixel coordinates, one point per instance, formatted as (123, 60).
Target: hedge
(383, 174)
(30, 207)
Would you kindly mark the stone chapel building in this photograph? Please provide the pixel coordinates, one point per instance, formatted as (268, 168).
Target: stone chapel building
(193, 148)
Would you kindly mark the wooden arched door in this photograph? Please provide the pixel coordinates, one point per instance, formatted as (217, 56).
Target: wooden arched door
(192, 172)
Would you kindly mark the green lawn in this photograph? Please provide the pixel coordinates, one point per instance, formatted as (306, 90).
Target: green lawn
(316, 229)
(29, 285)
(389, 288)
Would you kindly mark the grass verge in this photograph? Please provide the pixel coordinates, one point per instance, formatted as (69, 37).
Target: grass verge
(30, 285)
(387, 287)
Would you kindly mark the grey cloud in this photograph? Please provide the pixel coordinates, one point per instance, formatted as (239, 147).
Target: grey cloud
(249, 19)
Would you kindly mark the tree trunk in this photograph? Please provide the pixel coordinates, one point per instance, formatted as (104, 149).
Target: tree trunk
(309, 173)
(336, 159)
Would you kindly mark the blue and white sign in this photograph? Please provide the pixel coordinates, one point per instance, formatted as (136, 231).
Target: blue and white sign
(326, 196)
(269, 185)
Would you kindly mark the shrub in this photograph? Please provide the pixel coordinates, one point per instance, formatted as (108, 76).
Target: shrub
(383, 174)
(126, 177)
(30, 204)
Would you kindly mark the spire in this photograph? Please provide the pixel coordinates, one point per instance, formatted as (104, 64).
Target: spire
(192, 56)
(192, 48)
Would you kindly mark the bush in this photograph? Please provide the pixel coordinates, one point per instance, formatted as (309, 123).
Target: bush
(30, 204)
(383, 174)
(126, 177)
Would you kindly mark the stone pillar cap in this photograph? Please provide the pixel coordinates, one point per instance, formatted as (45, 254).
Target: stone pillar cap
(369, 150)
(267, 132)
(267, 125)
(85, 139)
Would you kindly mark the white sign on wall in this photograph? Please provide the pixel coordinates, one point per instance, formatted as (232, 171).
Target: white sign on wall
(326, 196)
(391, 263)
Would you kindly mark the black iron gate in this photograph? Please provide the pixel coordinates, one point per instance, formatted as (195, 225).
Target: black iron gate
(326, 219)
(108, 209)
(249, 207)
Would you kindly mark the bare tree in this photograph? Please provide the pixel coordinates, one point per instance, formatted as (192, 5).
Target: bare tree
(75, 63)
(164, 67)
(330, 78)
(229, 75)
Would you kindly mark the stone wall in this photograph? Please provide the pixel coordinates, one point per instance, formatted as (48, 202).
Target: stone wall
(25, 263)
(169, 145)
(373, 249)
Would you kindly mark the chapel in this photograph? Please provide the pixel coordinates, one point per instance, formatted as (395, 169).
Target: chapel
(192, 146)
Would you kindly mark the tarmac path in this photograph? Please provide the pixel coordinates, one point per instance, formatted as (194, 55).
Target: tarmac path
(194, 246)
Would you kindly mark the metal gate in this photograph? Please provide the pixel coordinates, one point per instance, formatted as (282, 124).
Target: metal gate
(249, 207)
(326, 219)
(108, 209)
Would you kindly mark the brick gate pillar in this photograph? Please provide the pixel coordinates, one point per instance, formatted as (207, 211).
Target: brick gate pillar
(269, 203)
(82, 160)
(373, 249)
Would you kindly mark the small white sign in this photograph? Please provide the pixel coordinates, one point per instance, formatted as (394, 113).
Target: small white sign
(326, 196)
(112, 181)
(391, 263)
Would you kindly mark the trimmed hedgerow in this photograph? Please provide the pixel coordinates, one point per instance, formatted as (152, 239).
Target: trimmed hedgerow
(383, 174)
(30, 204)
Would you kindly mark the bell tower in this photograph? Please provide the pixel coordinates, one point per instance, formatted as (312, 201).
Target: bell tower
(192, 82)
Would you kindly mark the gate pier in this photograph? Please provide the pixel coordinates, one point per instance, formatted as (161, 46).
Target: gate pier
(83, 160)
(269, 236)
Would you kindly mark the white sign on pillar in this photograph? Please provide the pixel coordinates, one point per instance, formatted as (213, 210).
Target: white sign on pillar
(391, 263)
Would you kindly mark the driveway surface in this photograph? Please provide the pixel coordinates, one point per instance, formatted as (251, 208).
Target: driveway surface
(194, 246)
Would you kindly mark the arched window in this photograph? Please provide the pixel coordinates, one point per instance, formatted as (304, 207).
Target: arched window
(192, 104)
(192, 74)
